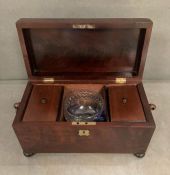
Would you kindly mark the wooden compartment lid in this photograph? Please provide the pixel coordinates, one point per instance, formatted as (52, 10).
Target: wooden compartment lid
(80, 49)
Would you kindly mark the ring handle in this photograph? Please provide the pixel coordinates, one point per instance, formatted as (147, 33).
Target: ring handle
(152, 106)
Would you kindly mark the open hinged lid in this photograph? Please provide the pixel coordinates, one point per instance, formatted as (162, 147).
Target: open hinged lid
(84, 49)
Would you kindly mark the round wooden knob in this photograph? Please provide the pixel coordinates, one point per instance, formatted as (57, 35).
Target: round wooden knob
(124, 100)
(43, 101)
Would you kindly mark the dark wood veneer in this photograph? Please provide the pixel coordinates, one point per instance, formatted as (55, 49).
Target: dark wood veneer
(123, 50)
(84, 58)
(125, 104)
(44, 103)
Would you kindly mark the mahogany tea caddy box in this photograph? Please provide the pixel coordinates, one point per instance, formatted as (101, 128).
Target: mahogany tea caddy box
(103, 55)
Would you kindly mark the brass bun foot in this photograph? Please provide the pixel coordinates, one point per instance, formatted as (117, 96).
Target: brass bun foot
(28, 154)
(139, 155)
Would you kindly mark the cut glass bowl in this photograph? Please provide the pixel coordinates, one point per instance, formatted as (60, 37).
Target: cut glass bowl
(83, 106)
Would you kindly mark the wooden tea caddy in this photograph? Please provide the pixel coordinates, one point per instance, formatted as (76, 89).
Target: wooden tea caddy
(104, 55)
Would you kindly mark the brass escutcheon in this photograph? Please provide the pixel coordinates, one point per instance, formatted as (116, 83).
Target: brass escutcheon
(84, 133)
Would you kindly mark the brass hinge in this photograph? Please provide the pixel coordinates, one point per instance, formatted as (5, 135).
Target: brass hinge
(48, 80)
(83, 26)
(120, 80)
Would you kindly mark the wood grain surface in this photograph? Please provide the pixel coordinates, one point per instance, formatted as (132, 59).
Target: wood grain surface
(115, 47)
(125, 104)
(37, 109)
(53, 48)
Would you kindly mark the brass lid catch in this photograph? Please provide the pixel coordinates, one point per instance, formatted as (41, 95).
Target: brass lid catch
(83, 123)
(120, 80)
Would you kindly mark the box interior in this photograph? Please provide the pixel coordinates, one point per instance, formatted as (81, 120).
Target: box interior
(122, 103)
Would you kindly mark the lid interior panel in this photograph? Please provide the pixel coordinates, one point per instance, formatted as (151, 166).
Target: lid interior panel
(58, 51)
